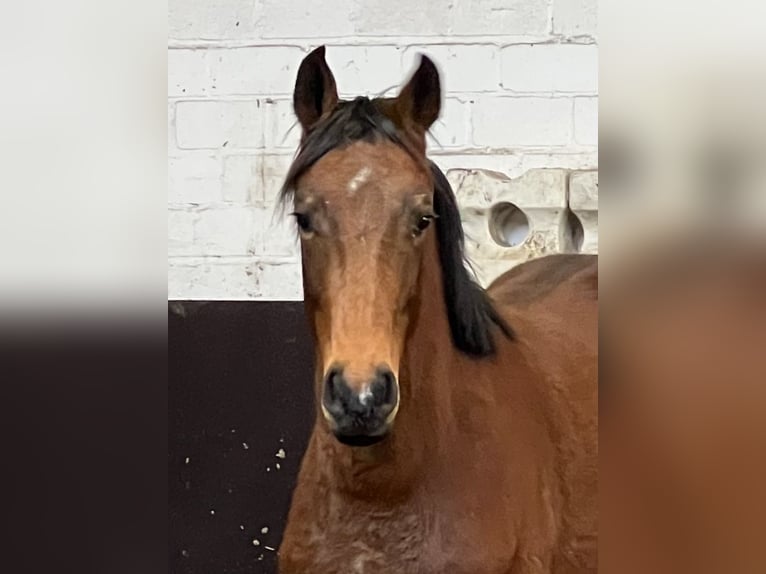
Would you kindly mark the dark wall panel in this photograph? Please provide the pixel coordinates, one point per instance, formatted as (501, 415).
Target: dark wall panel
(240, 397)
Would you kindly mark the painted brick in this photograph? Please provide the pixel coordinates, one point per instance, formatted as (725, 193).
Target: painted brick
(218, 230)
(281, 128)
(211, 19)
(399, 18)
(550, 68)
(213, 278)
(274, 19)
(194, 178)
(564, 159)
(265, 70)
(586, 121)
(273, 176)
(227, 230)
(462, 68)
(181, 232)
(575, 17)
(172, 144)
(280, 281)
(299, 19)
(499, 17)
(242, 179)
(366, 70)
(451, 129)
(448, 159)
(216, 124)
(279, 236)
(508, 122)
(188, 73)
(517, 162)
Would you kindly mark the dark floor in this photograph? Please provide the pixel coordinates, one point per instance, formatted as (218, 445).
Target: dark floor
(240, 410)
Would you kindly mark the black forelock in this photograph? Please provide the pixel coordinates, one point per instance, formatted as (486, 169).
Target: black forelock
(360, 119)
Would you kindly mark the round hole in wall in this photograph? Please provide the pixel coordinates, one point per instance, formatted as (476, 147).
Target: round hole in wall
(508, 224)
(575, 231)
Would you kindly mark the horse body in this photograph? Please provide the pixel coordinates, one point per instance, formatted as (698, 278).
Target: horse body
(501, 482)
(456, 428)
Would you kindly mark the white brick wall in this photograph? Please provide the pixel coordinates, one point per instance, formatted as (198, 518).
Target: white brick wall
(520, 80)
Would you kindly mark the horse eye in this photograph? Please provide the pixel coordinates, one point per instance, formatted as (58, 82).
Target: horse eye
(422, 224)
(303, 221)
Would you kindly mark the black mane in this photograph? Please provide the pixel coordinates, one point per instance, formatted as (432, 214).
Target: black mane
(469, 309)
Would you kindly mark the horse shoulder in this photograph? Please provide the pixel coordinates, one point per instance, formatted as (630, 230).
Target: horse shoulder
(551, 304)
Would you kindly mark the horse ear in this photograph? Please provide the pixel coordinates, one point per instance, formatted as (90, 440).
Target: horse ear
(315, 92)
(420, 99)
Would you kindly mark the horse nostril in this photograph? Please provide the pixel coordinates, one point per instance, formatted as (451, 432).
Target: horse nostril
(336, 391)
(384, 388)
(333, 383)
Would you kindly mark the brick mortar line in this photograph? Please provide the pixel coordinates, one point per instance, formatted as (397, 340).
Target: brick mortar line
(305, 44)
(203, 206)
(459, 96)
(217, 259)
(533, 150)
(557, 149)
(284, 153)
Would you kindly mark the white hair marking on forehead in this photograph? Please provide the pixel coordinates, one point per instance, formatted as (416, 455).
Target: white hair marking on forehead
(359, 179)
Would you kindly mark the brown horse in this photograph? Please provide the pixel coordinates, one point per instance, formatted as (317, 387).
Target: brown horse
(456, 428)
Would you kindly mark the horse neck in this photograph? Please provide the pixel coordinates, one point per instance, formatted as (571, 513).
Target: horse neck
(400, 463)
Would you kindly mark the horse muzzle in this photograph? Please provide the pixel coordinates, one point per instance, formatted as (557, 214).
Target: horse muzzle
(360, 415)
